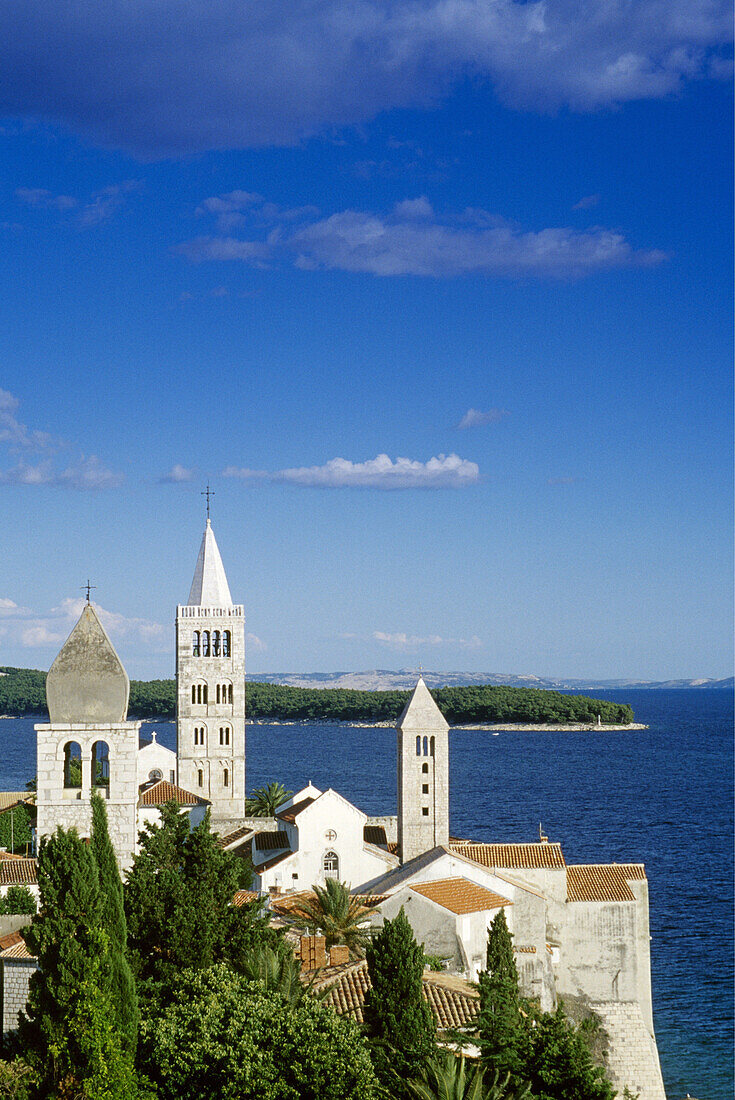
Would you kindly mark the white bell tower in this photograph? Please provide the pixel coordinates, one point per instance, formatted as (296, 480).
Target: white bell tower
(423, 775)
(210, 686)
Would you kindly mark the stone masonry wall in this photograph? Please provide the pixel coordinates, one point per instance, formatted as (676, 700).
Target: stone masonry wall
(15, 975)
(632, 1057)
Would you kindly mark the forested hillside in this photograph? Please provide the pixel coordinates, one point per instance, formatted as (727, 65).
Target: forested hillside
(22, 692)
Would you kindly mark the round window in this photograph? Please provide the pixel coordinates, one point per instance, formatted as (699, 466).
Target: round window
(330, 835)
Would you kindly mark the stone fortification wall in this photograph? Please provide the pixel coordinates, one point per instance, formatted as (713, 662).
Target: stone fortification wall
(632, 1056)
(389, 823)
(15, 978)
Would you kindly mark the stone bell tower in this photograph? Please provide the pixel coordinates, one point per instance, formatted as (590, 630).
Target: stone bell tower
(210, 687)
(423, 775)
(88, 746)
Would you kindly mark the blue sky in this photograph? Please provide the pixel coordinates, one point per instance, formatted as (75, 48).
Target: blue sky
(436, 296)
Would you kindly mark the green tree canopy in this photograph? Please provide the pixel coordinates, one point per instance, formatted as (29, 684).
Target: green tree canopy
(502, 1034)
(335, 914)
(560, 1066)
(264, 801)
(70, 1036)
(222, 1036)
(398, 1020)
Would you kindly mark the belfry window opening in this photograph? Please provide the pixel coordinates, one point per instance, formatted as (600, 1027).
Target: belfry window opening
(215, 643)
(100, 764)
(72, 764)
(196, 644)
(205, 643)
(226, 643)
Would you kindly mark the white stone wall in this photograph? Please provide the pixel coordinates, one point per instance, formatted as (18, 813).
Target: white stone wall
(632, 1058)
(155, 757)
(423, 790)
(216, 762)
(15, 975)
(70, 807)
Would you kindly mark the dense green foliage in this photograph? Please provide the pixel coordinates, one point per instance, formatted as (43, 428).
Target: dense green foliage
(501, 1033)
(448, 1076)
(222, 1036)
(398, 1020)
(15, 827)
(70, 1037)
(112, 919)
(334, 913)
(18, 899)
(560, 1066)
(177, 902)
(22, 691)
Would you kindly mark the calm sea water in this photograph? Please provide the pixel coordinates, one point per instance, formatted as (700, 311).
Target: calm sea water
(663, 796)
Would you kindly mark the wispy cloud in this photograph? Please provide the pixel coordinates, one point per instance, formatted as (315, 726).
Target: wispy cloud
(586, 202)
(38, 630)
(403, 641)
(475, 418)
(40, 196)
(252, 641)
(252, 75)
(441, 472)
(83, 472)
(413, 240)
(176, 475)
(87, 473)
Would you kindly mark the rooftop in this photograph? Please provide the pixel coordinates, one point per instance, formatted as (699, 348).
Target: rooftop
(209, 587)
(158, 794)
(603, 881)
(293, 812)
(13, 946)
(18, 872)
(460, 896)
(510, 856)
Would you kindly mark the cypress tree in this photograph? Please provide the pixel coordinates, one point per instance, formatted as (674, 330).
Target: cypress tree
(501, 1032)
(398, 1020)
(70, 1035)
(112, 914)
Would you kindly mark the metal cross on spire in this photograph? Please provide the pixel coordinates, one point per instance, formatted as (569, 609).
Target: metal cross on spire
(88, 588)
(208, 493)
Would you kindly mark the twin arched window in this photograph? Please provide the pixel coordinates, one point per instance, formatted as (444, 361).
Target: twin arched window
(199, 735)
(199, 694)
(428, 748)
(216, 644)
(224, 693)
(224, 735)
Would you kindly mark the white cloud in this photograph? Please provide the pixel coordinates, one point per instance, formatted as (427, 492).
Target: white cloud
(10, 608)
(441, 472)
(414, 240)
(105, 202)
(17, 435)
(231, 76)
(586, 202)
(474, 418)
(39, 196)
(252, 641)
(177, 474)
(404, 641)
(35, 629)
(40, 636)
(86, 473)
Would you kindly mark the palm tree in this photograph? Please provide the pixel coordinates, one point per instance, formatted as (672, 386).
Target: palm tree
(279, 973)
(264, 801)
(337, 915)
(447, 1077)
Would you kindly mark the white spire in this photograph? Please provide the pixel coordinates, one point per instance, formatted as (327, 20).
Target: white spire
(209, 587)
(421, 712)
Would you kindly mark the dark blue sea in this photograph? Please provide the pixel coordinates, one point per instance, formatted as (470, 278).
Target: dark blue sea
(663, 796)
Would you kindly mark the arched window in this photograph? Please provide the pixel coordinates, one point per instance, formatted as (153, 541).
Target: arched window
(205, 643)
(225, 778)
(215, 643)
(100, 764)
(426, 746)
(418, 746)
(200, 777)
(155, 775)
(229, 693)
(224, 735)
(196, 644)
(72, 765)
(199, 735)
(205, 694)
(330, 865)
(193, 693)
(226, 639)
(198, 693)
(218, 693)
(425, 769)
(431, 747)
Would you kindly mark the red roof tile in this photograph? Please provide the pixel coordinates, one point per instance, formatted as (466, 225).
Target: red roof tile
(293, 812)
(18, 872)
(459, 895)
(270, 841)
(510, 856)
(158, 794)
(244, 897)
(603, 881)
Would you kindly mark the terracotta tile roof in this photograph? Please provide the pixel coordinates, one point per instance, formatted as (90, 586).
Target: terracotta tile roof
(12, 798)
(245, 832)
(244, 897)
(374, 834)
(510, 856)
(524, 948)
(9, 855)
(266, 864)
(271, 842)
(158, 794)
(14, 947)
(18, 872)
(292, 812)
(393, 848)
(603, 881)
(459, 895)
(453, 1003)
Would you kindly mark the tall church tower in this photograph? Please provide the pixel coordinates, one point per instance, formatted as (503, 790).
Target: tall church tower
(423, 775)
(87, 746)
(210, 687)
